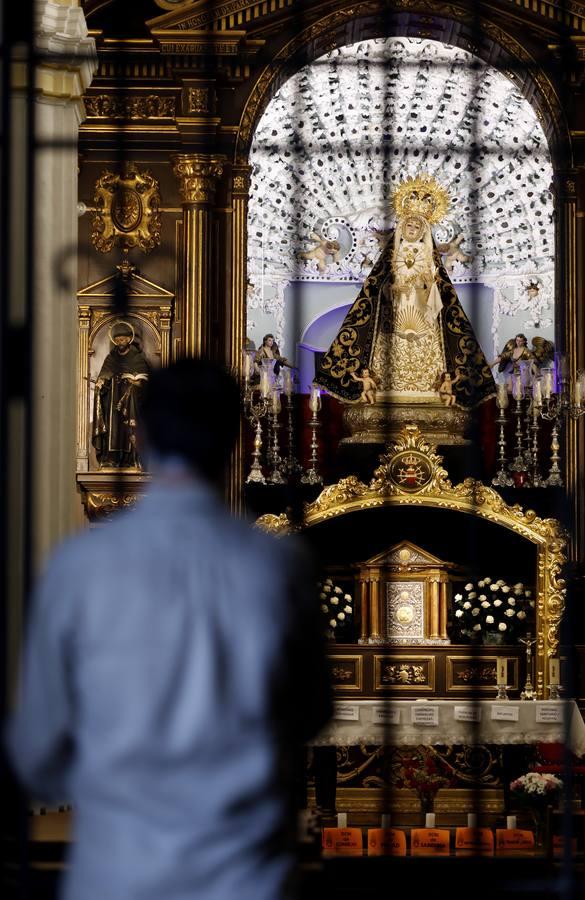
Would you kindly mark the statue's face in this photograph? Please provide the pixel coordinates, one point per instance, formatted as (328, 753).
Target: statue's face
(122, 341)
(412, 229)
(520, 342)
(269, 341)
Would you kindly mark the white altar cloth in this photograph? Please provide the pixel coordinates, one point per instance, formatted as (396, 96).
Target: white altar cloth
(393, 722)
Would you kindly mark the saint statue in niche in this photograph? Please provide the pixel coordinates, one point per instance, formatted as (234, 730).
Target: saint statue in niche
(407, 325)
(117, 400)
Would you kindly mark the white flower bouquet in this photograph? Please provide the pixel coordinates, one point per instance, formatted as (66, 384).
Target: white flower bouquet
(489, 609)
(336, 606)
(536, 788)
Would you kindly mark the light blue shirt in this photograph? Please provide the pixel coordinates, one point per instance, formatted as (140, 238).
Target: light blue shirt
(172, 656)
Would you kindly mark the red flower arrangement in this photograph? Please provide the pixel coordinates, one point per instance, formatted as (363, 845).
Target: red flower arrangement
(426, 775)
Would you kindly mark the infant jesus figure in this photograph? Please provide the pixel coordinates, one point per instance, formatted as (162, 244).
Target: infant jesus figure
(368, 394)
(445, 387)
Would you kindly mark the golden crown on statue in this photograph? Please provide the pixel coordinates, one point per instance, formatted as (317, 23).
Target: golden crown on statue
(421, 196)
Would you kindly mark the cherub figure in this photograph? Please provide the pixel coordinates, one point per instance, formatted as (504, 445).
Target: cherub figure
(325, 248)
(453, 253)
(445, 387)
(368, 394)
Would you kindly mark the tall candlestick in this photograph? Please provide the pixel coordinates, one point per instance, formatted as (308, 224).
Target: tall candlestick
(502, 398)
(537, 392)
(546, 384)
(502, 670)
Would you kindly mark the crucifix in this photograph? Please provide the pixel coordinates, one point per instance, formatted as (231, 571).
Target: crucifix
(528, 693)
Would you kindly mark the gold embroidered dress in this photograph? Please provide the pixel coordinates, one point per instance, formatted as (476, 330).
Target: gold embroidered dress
(407, 324)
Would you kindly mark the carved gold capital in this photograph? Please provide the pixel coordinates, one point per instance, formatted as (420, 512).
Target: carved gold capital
(197, 174)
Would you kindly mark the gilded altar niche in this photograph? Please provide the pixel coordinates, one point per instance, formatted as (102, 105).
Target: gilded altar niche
(411, 475)
(116, 351)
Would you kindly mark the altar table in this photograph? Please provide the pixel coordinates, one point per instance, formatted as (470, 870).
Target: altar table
(400, 723)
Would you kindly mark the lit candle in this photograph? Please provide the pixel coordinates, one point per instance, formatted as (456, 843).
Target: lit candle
(517, 390)
(502, 670)
(429, 820)
(547, 384)
(502, 396)
(511, 822)
(472, 820)
(537, 392)
(342, 820)
(287, 382)
(577, 393)
(315, 399)
(276, 407)
(264, 382)
(554, 671)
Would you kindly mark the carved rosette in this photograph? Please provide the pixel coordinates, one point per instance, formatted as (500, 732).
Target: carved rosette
(197, 174)
(126, 211)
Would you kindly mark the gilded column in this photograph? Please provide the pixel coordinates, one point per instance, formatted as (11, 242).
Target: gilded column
(568, 337)
(197, 174)
(240, 192)
(364, 605)
(434, 609)
(84, 319)
(237, 313)
(443, 609)
(375, 636)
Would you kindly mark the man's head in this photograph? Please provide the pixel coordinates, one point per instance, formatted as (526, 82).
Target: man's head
(192, 410)
(122, 334)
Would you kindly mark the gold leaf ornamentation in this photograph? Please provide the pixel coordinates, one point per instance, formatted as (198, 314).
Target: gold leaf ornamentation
(126, 211)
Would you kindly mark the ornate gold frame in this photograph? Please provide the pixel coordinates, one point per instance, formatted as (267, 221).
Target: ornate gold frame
(470, 497)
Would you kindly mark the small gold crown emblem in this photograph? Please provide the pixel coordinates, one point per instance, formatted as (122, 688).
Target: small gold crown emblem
(421, 196)
(410, 460)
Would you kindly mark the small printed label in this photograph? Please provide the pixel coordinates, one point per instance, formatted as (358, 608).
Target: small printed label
(475, 840)
(514, 839)
(386, 842)
(429, 842)
(342, 841)
(425, 715)
(386, 715)
(549, 712)
(347, 712)
(467, 714)
(505, 713)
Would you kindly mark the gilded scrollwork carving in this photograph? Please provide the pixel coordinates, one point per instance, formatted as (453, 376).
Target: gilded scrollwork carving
(405, 673)
(126, 211)
(109, 106)
(198, 101)
(100, 505)
(197, 175)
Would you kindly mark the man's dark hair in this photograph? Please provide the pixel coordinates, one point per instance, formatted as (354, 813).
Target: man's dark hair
(192, 410)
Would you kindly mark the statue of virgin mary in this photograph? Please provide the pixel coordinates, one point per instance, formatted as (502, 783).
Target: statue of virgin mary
(407, 326)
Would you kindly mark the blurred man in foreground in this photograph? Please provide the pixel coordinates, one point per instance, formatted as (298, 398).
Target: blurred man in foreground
(173, 668)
